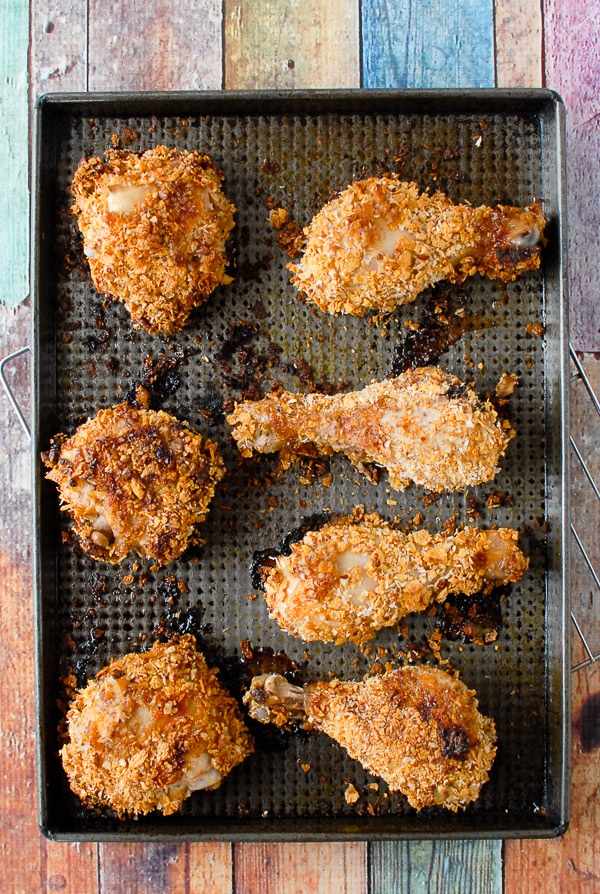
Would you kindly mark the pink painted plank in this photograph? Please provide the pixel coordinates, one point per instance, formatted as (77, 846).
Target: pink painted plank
(572, 66)
(156, 45)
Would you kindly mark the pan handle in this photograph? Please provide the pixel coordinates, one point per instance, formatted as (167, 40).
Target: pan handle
(7, 388)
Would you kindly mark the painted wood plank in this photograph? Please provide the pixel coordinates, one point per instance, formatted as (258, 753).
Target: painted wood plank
(20, 843)
(14, 257)
(436, 867)
(291, 43)
(70, 868)
(518, 27)
(299, 868)
(153, 868)
(58, 47)
(155, 45)
(572, 66)
(427, 43)
(210, 868)
(573, 862)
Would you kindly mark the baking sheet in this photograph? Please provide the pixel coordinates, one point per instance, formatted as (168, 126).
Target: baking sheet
(294, 150)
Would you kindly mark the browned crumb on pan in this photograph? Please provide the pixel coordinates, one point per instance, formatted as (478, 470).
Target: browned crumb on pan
(135, 481)
(151, 728)
(154, 226)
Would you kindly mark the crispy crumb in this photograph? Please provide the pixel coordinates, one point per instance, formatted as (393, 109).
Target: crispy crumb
(351, 794)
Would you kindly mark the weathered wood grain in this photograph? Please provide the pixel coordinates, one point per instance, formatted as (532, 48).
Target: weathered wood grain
(20, 851)
(58, 47)
(427, 43)
(518, 28)
(156, 45)
(210, 868)
(572, 67)
(573, 863)
(291, 43)
(299, 868)
(436, 867)
(152, 868)
(70, 868)
(14, 282)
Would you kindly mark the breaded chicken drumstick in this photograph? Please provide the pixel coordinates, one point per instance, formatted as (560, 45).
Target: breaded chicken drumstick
(418, 728)
(424, 426)
(154, 228)
(380, 243)
(354, 576)
(152, 728)
(135, 481)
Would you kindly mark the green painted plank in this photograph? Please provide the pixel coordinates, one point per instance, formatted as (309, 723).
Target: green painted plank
(14, 152)
(435, 867)
(427, 43)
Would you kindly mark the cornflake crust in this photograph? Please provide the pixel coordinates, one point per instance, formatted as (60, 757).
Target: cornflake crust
(356, 575)
(154, 227)
(424, 426)
(135, 480)
(381, 242)
(152, 728)
(417, 728)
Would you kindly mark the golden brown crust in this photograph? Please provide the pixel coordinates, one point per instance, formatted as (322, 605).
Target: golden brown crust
(155, 226)
(417, 728)
(423, 426)
(150, 729)
(380, 243)
(356, 575)
(135, 480)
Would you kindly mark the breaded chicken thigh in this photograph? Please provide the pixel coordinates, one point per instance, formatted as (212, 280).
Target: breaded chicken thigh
(154, 228)
(418, 728)
(424, 426)
(356, 575)
(135, 481)
(380, 243)
(152, 728)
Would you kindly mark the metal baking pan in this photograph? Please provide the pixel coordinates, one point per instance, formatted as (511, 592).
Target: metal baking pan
(293, 149)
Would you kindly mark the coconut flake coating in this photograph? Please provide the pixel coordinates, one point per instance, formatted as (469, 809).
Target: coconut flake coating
(152, 728)
(135, 480)
(381, 242)
(154, 227)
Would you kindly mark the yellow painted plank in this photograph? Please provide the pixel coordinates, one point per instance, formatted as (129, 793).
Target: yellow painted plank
(291, 43)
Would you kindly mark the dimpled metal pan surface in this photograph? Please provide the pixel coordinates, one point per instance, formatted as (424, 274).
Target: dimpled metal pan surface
(296, 150)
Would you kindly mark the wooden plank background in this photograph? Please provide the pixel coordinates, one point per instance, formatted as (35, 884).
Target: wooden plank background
(77, 45)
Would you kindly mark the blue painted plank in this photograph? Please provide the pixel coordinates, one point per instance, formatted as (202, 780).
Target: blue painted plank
(14, 152)
(435, 867)
(427, 43)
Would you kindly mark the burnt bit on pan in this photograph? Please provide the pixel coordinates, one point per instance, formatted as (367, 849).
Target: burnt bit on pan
(159, 379)
(471, 619)
(177, 618)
